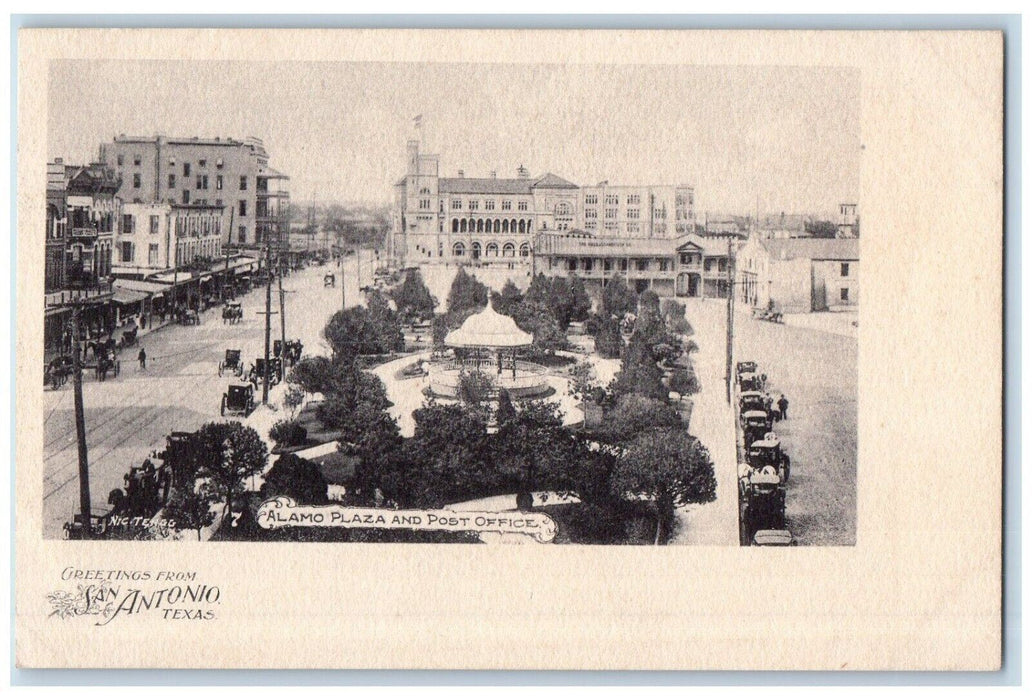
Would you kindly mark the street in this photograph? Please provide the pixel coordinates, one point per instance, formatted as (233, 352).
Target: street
(817, 372)
(129, 416)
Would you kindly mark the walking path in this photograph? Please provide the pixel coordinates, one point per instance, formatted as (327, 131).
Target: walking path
(712, 421)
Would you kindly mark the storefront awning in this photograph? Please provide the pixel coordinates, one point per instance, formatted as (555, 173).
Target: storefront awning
(128, 296)
(140, 286)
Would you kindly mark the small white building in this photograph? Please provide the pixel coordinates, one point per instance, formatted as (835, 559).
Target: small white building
(161, 236)
(800, 274)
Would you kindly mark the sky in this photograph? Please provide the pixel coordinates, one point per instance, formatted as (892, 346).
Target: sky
(781, 138)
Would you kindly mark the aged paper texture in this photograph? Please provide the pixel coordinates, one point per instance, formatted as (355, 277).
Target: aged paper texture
(448, 475)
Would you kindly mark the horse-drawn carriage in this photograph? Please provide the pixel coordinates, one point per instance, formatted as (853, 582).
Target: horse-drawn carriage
(762, 495)
(755, 426)
(108, 362)
(99, 348)
(57, 371)
(329, 280)
(750, 381)
(238, 399)
(260, 370)
(771, 313)
(768, 452)
(747, 367)
(129, 336)
(232, 312)
(751, 401)
(233, 363)
(188, 317)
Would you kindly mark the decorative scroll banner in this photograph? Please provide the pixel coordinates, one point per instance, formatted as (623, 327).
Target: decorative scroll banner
(285, 512)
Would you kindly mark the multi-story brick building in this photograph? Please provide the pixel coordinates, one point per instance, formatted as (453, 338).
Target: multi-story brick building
(207, 172)
(159, 236)
(495, 221)
(91, 215)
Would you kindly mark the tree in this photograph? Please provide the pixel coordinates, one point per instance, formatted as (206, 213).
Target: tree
(231, 453)
(413, 298)
(668, 466)
(190, 509)
(584, 384)
(445, 460)
(580, 305)
(297, 478)
(386, 321)
(364, 331)
(821, 229)
(506, 411)
(293, 397)
(536, 318)
(684, 382)
(474, 389)
(314, 374)
(649, 300)
(617, 299)
(609, 341)
(508, 300)
(639, 373)
(466, 292)
(672, 311)
(633, 414)
(354, 398)
(534, 451)
(288, 433)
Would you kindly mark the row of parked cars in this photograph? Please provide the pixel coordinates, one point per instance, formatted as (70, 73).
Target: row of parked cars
(764, 473)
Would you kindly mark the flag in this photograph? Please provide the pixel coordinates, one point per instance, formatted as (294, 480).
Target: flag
(418, 121)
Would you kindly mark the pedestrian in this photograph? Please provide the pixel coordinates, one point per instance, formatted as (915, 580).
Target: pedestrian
(142, 357)
(783, 407)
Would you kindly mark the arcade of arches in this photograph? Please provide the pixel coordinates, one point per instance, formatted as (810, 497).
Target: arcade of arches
(491, 225)
(491, 249)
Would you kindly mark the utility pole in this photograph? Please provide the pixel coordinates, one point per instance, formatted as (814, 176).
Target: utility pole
(730, 317)
(343, 299)
(80, 426)
(268, 320)
(229, 237)
(282, 317)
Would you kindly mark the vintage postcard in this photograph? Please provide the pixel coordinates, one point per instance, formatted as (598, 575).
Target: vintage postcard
(316, 328)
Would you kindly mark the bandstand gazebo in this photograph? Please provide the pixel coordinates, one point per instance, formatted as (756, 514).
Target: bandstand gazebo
(489, 342)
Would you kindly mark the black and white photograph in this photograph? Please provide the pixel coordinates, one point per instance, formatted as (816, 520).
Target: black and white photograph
(437, 303)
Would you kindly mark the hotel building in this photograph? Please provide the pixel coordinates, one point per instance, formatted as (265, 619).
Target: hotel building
(220, 172)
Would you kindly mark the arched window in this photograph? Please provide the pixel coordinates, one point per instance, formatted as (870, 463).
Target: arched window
(562, 209)
(454, 225)
(472, 225)
(462, 226)
(480, 225)
(523, 226)
(497, 226)
(476, 249)
(492, 250)
(505, 226)
(524, 250)
(512, 226)
(458, 250)
(424, 190)
(509, 250)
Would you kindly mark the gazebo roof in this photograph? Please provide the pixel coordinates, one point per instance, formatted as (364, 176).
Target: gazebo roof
(488, 329)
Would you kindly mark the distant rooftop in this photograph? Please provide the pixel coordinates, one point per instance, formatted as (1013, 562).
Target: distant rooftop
(813, 248)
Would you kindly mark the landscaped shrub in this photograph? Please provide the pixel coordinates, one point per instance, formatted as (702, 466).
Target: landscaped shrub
(288, 433)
